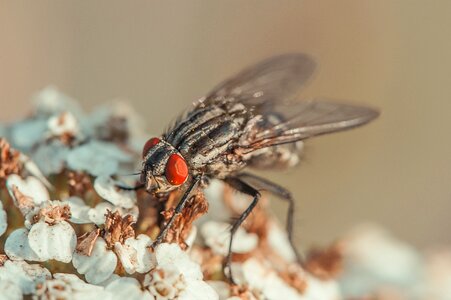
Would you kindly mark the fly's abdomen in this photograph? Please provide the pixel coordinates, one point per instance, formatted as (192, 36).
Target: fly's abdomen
(276, 157)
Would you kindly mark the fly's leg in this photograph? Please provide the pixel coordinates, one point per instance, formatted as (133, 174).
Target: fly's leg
(130, 188)
(243, 187)
(177, 211)
(284, 194)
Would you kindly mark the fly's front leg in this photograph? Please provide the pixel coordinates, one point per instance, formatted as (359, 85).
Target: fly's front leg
(284, 194)
(243, 187)
(130, 188)
(177, 211)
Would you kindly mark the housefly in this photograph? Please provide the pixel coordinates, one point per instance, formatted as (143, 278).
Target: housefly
(249, 120)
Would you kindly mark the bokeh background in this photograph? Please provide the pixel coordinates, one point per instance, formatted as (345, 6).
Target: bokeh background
(162, 55)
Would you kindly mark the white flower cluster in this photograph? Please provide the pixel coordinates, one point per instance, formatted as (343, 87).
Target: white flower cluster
(61, 208)
(59, 135)
(380, 266)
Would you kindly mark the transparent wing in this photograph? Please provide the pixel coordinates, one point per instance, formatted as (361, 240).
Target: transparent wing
(291, 122)
(272, 80)
(276, 79)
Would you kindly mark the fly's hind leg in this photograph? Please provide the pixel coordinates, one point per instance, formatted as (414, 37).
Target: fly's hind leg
(243, 187)
(282, 193)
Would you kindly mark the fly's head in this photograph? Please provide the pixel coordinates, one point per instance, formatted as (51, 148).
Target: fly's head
(164, 168)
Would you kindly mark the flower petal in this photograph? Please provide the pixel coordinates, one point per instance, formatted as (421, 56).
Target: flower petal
(51, 157)
(74, 288)
(217, 237)
(199, 290)
(53, 242)
(99, 266)
(135, 255)
(3, 221)
(63, 123)
(107, 188)
(97, 158)
(50, 101)
(127, 288)
(171, 254)
(24, 135)
(97, 214)
(78, 209)
(279, 242)
(18, 248)
(30, 187)
(24, 275)
(9, 290)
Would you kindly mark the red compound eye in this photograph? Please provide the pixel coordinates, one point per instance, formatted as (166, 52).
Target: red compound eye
(176, 170)
(149, 144)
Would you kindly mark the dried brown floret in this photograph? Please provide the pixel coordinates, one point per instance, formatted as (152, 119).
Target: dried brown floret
(115, 130)
(3, 258)
(210, 262)
(149, 214)
(86, 242)
(9, 161)
(326, 263)
(22, 201)
(195, 207)
(78, 183)
(295, 277)
(65, 127)
(118, 228)
(54, 213)
(244, 292)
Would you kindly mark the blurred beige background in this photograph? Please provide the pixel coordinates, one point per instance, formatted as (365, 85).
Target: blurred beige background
(162, 55)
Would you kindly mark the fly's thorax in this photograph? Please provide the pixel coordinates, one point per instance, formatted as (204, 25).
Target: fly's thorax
(164, 168)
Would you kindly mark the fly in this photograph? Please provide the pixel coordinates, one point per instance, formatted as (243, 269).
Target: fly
(249, 120)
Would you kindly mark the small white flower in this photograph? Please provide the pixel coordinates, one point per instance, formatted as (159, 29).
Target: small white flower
(50, 101)
(97, 267)
(9, 290)
(176, 276)
(24, 275)
(98, 122)
(97, 158)
(79, 211)
(217, 210)
(437, 283)
(217, 237)
(30, 187)
(48, 237)
(127, 288)
(135, 255)
(260, 278)
(33, 169)
(279, 242)
(17, 246)
(56, 241)
(97, 214)
(24, 135)
(51, 157)
(84, 214)
(321, 289)
(107, 188)
(69, 286)
(3, 221)
(222, 288)
(62, 124)
(373, 258)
